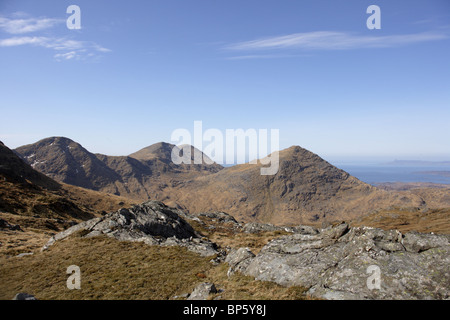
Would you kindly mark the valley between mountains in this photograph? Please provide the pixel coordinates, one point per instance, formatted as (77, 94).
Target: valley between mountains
(141, 227)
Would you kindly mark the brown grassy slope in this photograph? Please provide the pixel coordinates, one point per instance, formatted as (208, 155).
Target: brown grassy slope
(41, 213)
(13, 169)
(126, 270)
(434, 218)
(406, 220)
(69, 202)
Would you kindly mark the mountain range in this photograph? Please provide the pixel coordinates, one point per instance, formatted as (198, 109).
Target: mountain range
(46, 224)
(306, 189)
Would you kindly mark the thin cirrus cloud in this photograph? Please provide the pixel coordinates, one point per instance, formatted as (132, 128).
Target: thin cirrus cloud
(332, 40)
(20, 26)
(66, 49)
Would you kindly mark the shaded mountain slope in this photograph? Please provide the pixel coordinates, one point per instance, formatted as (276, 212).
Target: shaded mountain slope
(14, 169)
(140, 176)
(67, 161)
(27, 192)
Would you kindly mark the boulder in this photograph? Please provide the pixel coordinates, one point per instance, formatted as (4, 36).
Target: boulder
(221, 217)
(202, 291)
(6, 225)
(151, 222)
(418, 242)
(238, 260)
(339, 263)
(24, 296)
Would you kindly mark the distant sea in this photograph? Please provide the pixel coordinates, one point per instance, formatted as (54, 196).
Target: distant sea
(374, 174)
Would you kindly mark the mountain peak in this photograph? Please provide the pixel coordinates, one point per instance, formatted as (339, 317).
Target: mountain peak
(163, 152)
(156, 150)
(55, 140)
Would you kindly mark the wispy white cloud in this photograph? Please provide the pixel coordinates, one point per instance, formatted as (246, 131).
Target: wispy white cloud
(20, 41)
(21, 26)
(67, 49)
(100, 48)
(53, 43)
(66, 56)
(263, 56)
(332, 40)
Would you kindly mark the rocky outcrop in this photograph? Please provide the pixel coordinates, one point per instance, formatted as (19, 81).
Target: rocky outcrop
(202, 291)
(220, 217)
(340, 262)
(151, 222)
(214, 221)
(255, 227)
(5, 225)
(24, 296)
(238, 260)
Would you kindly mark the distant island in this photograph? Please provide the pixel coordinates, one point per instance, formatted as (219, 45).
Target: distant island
(418, 163)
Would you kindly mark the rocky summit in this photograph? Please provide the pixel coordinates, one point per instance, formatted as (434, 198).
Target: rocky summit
(341, 262)
(151, 222)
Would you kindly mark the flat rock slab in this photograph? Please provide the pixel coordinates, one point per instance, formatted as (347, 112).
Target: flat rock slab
(356, 263)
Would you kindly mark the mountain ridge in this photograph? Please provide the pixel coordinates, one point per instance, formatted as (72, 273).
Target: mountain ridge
(134, 176)
(306, 189)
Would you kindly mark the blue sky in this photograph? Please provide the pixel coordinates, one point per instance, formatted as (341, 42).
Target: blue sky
(138, 70)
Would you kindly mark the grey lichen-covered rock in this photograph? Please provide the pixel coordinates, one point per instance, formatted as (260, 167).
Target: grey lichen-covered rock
(238, 260)
(338, 263)
(202, 291)
(255, 227)
(151, 222)
(221, 217)
(418, 242)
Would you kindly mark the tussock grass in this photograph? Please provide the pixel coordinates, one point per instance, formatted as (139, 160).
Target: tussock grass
(116, 270)
(241, 287)
(110, 269)
(225, 236)
(254, 241)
